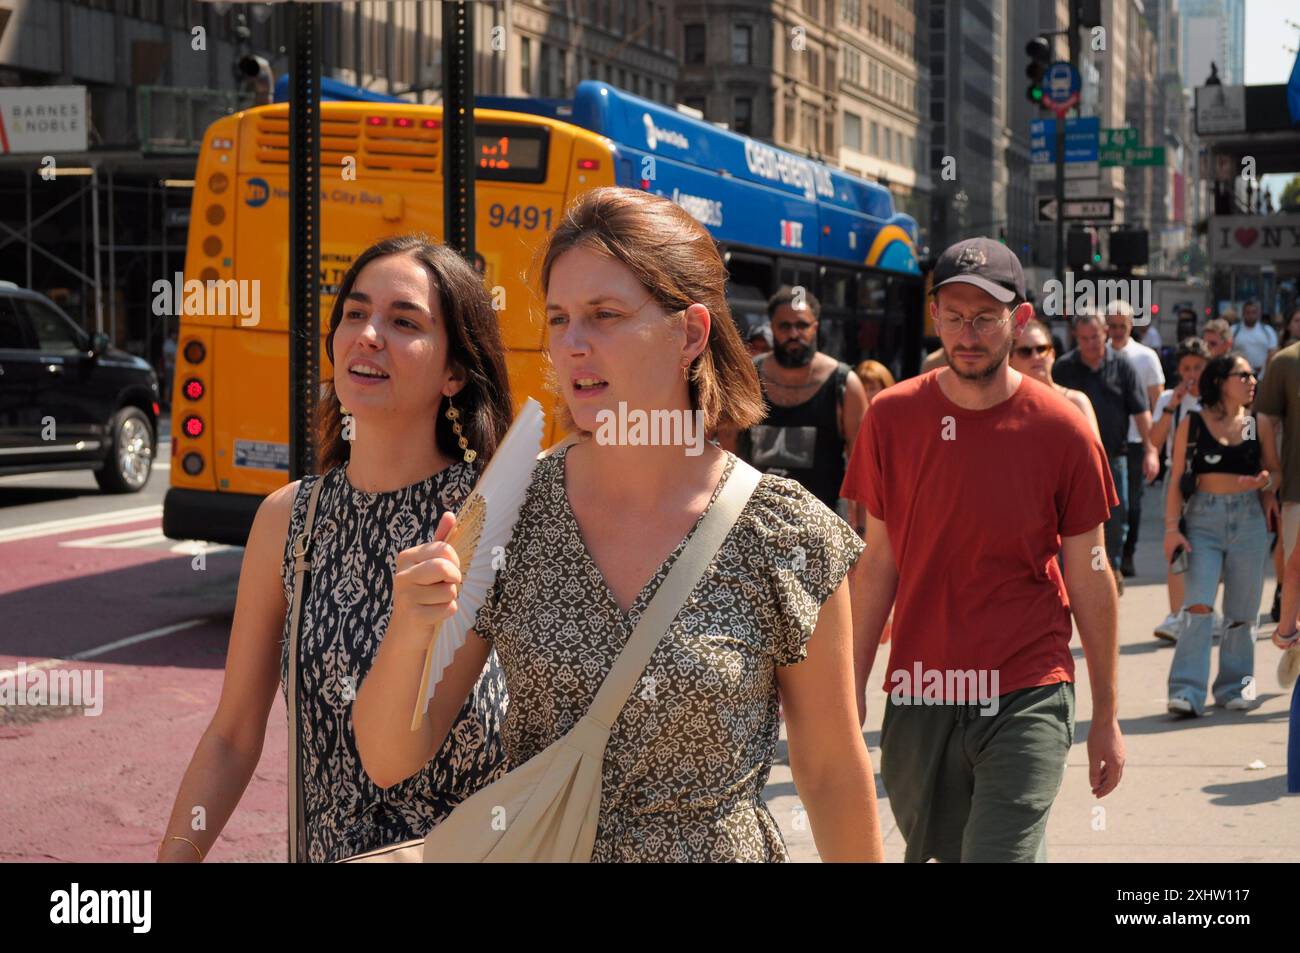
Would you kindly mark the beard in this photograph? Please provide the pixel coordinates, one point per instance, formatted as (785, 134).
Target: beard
(999, 357)
(794, 354)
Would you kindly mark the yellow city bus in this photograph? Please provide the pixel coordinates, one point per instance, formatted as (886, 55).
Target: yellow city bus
(230, 403)
(778, 218)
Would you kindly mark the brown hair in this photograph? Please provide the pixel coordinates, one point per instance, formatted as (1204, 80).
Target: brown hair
(875, 372)
(473, 346)
(677, 261)
(1033, 324)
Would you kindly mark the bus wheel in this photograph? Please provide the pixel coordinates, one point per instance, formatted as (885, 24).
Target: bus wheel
(127, 468)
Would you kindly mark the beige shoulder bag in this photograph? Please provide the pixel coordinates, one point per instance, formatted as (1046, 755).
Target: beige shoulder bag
(547, 808)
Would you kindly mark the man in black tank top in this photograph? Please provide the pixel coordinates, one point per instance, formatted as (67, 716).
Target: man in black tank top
(814, 402)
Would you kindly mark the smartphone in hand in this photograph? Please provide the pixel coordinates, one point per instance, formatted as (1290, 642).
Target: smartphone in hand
(1178, 564)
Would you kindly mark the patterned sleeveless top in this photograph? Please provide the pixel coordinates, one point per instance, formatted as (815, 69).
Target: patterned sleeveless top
(356, 539)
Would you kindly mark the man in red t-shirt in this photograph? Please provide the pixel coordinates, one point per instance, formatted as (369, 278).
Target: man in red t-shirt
(974, 477)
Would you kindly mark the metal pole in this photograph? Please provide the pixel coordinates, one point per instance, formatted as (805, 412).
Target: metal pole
(458, 126)
(95, 250)
(112, 261)
(27, 229)
(304, 238)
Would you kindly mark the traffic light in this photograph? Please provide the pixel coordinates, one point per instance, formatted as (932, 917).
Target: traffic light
(1039, 51)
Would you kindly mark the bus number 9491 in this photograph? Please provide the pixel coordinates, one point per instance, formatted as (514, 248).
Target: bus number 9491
(526, 217)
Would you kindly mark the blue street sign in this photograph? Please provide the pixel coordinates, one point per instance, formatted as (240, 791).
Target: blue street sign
(1080, 140)
(1061, 84)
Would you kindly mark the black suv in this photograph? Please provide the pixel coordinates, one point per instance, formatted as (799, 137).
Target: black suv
(69, 401)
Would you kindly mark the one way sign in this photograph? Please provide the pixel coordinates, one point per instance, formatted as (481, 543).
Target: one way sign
(1077, 210)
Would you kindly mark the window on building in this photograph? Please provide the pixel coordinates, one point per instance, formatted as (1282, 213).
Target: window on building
(829, 133)
(526, 65)
(936, 110)
(889, 144)
(810, 127)
(814, 67)
(661, 25)
(787, 124)
(742, 44)
(544, 77)
(875, 139)
(852, 132)
(693, 38)
(742, 114)
(872, 76)
(887, 31)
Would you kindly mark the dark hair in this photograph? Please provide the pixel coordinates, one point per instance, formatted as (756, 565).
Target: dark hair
(1192, 347)
(473, 346)
(1216, 372)
(677, 261)
(785, 296)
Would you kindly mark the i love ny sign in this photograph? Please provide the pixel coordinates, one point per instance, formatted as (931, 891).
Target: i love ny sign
(1254, 239)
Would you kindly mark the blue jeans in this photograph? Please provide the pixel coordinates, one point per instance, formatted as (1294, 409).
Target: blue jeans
(1228, 536)
(1117, 525)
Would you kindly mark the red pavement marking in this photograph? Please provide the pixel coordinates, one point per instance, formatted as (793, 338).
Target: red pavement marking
(57, 600)
(78, 788)
(81, 788)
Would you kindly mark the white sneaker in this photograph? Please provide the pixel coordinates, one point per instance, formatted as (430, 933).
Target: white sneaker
(1168, 630)
(1180, 706)
(1288, 667)
(1239, 704)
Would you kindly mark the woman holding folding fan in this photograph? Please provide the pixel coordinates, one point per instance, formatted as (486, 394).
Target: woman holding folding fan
(637, 318)
(418, 403)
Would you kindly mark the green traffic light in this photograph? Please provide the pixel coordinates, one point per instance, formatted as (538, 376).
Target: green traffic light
(1037, 93)
(1096, 259)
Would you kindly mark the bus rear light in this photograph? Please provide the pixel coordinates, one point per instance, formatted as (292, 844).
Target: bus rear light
(193, 389)
(193, 426)
(212, 246)
(217, 182)
(588, 163)
(215, 214)
(195, 352)
(402, 122)
(430, 123)
(376, 121)
(192, 463)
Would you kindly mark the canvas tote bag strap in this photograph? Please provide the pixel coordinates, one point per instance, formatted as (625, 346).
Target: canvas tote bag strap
(301, 564)
(672, 594)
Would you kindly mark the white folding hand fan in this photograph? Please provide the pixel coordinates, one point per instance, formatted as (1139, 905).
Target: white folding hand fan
(485, 521)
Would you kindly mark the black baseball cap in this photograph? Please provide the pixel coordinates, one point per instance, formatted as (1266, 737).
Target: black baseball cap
(988, 265)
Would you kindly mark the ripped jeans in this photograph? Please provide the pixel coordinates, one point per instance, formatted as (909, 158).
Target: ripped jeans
(1228, 536)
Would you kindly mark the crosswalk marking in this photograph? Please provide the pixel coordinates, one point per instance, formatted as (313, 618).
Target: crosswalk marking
(72, 523)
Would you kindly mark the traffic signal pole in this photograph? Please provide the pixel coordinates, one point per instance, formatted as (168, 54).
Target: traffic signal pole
(1072, 37)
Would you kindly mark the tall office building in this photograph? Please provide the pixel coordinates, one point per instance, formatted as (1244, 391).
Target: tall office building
(968, 43)
(1213, 31)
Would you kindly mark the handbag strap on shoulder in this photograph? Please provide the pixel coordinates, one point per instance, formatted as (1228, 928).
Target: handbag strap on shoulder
(672, 594)
(301, 564)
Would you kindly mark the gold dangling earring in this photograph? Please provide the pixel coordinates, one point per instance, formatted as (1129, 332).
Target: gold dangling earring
(686, 371)
(454, 416)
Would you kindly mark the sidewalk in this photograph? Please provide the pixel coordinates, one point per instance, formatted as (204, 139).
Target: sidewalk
(1188, 793)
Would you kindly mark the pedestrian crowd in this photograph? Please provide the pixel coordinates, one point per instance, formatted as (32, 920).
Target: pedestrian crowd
(659, 615)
